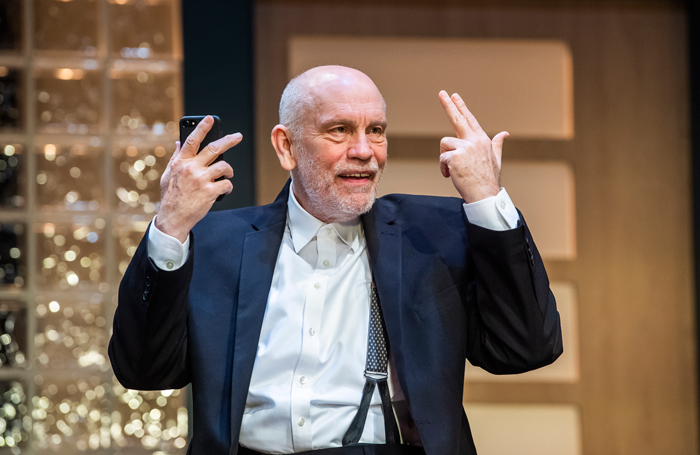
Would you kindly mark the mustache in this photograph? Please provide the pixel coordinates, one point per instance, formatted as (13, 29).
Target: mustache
(371, 168)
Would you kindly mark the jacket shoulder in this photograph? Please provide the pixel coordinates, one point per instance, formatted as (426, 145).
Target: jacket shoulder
(246, 218)
(410, 206)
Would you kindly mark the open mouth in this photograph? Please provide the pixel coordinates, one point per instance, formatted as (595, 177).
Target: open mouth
(357, 178)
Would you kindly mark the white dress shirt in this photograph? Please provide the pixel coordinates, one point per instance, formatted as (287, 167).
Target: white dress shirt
(308, 377)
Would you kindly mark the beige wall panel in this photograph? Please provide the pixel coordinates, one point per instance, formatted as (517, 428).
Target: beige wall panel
(522, 86)
(415, 176)
(545, 194)
(525, 429)
(543, 191)
(566, 368)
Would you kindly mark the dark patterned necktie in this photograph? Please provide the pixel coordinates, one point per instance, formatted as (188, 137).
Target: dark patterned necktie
(375, 374)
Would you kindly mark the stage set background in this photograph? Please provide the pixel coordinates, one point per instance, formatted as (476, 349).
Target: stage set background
(596, 94)
(632, 388)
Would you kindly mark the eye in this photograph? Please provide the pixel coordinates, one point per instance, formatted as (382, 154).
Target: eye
(376, 130)
(340, 129)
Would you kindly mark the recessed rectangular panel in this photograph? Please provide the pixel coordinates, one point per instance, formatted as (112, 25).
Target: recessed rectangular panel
(415, 176)
(525, 429)
(522, 86)
(542, 190)
(566, 367)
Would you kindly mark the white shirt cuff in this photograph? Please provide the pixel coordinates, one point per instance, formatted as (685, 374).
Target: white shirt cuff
(166, 252)
(497, 213)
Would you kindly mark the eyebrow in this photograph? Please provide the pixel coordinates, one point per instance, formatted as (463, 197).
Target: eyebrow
(346, 121)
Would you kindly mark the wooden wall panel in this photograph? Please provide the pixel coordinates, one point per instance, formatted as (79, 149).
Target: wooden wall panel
(533, 79)
(525, 429)
(637, 394)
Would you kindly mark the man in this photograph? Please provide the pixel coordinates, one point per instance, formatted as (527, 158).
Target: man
(266, 310)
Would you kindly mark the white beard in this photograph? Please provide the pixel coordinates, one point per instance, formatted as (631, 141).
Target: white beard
(325, 199)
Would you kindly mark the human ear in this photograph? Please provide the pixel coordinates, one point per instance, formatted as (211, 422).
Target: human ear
(281, 138)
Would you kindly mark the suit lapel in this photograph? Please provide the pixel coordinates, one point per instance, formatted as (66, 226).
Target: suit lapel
(384, 249)
(260, 250)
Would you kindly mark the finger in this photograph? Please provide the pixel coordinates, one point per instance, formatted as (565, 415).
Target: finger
(471, 120)
(177, 150)
(216, 148)
(191, 145)
(220, 169)
(447, 144)
(445, 164)
(497, 143)
(222, 187)
(458, 121)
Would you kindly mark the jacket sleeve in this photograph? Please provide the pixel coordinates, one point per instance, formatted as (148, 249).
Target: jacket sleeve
(514, 325)
(148, 348)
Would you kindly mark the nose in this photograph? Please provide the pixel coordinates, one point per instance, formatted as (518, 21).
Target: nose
(360, 148)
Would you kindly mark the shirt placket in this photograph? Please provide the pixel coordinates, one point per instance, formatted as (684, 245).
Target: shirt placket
(307, 368)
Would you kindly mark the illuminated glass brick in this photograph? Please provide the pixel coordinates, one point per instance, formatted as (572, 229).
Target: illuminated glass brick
(71, 255)
(69, 177)
(12, 255)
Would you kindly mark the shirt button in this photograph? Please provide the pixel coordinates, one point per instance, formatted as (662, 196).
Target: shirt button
(326, 263)
(328, 231)
(312, 331)
(317, 285)
(302, 380)
(503, 204)
(301, 421)
(170, 264)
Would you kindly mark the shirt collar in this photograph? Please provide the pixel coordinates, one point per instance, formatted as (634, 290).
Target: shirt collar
(303, 226)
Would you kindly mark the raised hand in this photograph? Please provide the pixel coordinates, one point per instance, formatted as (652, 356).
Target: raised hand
(471, 159)
(188, 187)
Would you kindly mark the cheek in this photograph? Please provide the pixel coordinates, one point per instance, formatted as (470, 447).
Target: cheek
(380, 155)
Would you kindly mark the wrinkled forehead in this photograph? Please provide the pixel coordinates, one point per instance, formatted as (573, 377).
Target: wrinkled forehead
(326, 89)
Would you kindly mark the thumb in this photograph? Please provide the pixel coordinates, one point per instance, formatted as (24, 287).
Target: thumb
(497, 144)
(498, 139)
(177, 151)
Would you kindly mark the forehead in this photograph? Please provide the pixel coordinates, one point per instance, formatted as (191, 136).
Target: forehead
(345, 96)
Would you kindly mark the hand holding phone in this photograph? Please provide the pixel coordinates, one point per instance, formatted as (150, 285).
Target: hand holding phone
(187, 126)
(194, 178)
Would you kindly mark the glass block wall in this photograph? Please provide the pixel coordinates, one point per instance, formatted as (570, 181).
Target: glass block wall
(90, 94)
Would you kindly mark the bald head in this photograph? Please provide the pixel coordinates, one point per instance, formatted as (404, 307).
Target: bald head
(312, 88)
(332, 138)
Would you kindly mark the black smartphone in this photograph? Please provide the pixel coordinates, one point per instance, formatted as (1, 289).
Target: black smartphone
(189, 123)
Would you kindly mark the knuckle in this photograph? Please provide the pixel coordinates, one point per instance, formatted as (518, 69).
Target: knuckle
(188, 171)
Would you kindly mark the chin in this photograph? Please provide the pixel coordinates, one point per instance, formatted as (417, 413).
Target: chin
(341, 208)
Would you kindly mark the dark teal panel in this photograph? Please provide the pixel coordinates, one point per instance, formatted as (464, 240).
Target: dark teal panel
(218, 79)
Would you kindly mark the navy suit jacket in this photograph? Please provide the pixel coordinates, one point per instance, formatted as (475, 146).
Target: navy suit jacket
(449, 290)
